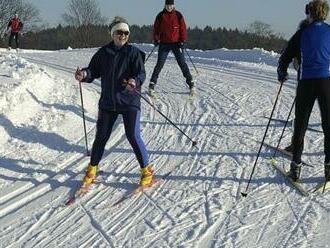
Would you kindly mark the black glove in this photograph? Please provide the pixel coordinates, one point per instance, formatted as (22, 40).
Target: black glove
(181, 45)
(156, 43)
(282, 76)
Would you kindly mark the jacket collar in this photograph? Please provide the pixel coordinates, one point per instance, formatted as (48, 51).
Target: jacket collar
(112, 49)
(165, 11)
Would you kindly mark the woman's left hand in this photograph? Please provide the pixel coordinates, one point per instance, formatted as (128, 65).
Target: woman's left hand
(130, 84)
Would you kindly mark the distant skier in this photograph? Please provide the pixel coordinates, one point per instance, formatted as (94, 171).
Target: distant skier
(121, 69)
(170, 33)
(311, 46)
(16, 26)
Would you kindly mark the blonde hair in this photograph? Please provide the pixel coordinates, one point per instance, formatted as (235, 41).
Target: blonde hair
(318, 9)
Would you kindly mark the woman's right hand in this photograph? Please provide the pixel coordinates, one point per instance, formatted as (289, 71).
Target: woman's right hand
(80, 75)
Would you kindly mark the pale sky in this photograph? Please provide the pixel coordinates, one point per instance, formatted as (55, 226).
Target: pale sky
(282, 15)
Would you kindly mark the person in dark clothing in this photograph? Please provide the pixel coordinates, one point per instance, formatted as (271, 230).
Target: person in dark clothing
(302, 24)
(311, 46)
(121, 69)
(170, 33)
(16, 26)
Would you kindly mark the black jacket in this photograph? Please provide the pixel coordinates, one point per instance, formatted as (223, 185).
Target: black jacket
(114, 65)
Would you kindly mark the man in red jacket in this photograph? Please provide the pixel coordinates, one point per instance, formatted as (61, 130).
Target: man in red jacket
(16, 25)
(170, 34)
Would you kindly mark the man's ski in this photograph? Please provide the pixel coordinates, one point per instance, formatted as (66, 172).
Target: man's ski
(290, 123)
(284, 152)
(321, 186)
(296, 185)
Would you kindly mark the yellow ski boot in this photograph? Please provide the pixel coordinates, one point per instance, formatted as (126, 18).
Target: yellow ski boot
(147, 175)
(90, 175)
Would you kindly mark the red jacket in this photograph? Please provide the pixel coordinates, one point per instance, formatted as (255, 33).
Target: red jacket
(15, 25)
(169, 27)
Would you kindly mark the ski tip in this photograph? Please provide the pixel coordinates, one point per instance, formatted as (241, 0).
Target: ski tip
(244, 194)
(70, 201)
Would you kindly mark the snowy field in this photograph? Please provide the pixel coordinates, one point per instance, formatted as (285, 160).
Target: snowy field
(199, 204)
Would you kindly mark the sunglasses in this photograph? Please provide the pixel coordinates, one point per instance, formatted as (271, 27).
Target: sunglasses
(121, 32)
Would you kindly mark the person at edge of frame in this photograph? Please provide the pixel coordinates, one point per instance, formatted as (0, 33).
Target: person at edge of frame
(311, 47)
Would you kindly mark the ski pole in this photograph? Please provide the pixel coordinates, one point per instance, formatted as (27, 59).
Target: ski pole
(262, 142)
(191, 61)
(83, 114)
(286, 123)
(149, 54)
(194, 143)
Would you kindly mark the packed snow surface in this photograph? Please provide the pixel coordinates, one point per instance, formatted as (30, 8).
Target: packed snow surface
(199, 204)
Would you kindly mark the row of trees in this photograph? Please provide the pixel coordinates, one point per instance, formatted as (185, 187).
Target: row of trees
(98, 35)
(86, 28)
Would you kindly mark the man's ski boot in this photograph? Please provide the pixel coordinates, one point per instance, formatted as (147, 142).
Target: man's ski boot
(192, 91)
(147, 175)
(289, 148)
(192, 88)
(327, 171)
(152, 92)
(295, 170)
(90, 175)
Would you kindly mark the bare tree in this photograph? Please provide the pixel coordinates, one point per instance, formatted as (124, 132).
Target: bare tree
(28, 14)
(260, 29)
(83, 13)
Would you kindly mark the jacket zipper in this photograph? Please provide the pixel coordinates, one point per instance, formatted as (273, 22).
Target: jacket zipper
(113, 82)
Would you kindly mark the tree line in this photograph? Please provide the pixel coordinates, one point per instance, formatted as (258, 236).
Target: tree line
(85, 27)
(62, 37)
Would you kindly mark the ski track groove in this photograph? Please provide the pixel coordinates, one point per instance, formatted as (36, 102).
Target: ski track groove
(62, 166)
(43, 187)
(89, 243)
(236, 101)
(233, 102)
(57, 225)
(150, 200)
(294, 228)
(239, 186)
(248, 75)
(37, 224)
(218, 223)
(28, 196)
(134, 218)
(97, 227)
(266, 225)
(95, 85)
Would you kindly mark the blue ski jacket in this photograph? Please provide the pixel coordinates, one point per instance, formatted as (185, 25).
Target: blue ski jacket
(114, 65)
(311, 46)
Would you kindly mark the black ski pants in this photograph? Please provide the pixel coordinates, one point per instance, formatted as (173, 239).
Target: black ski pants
(307, 92)
(104, 125)
(163, 50)
(12, 36)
